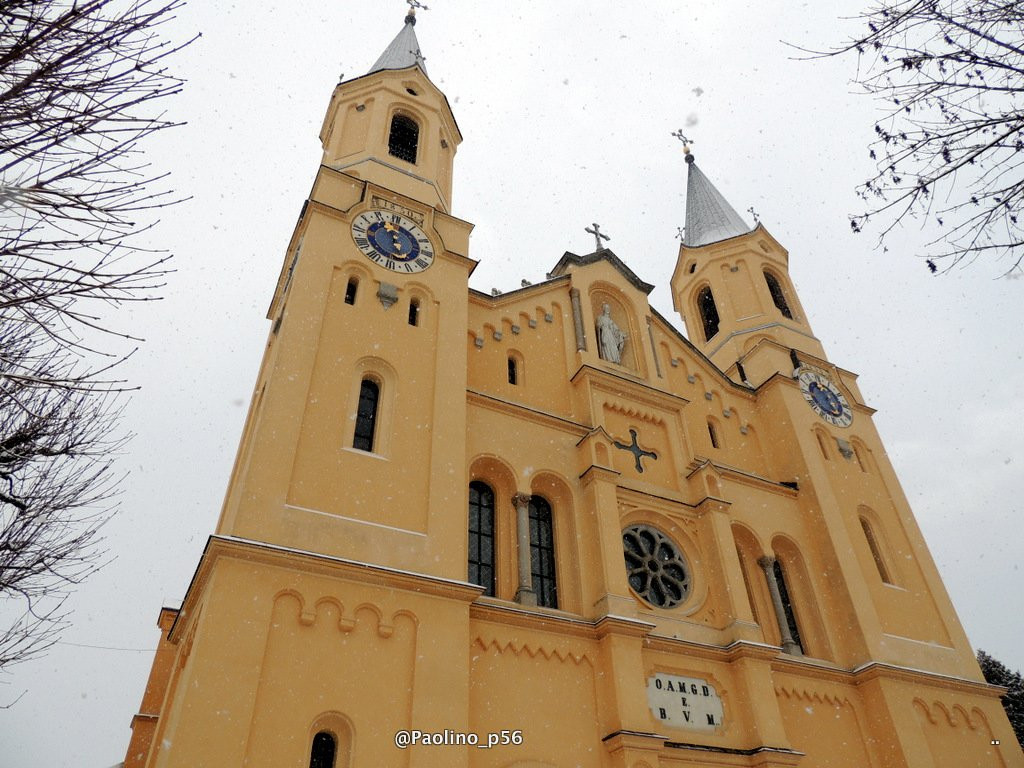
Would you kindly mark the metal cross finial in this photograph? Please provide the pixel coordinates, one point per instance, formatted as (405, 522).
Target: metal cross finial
(420, 58)
(680, 233)
(598, 235)
(686, 140)
(636, 450)
(752, 212)
(414, 4)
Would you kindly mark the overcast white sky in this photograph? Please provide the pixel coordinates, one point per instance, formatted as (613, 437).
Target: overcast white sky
(566, 109)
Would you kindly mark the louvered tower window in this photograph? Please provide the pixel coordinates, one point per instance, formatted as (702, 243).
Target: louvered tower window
(777, 295)
(404, 138)
(708, 312)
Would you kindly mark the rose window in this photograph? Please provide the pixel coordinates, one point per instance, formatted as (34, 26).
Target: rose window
(655, 567)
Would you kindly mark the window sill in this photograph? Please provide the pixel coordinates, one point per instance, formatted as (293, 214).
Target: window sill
(368, 454)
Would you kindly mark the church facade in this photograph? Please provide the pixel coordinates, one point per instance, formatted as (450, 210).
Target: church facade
(545, 527)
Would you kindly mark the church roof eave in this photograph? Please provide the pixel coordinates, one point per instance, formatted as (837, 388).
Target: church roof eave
(571, 259)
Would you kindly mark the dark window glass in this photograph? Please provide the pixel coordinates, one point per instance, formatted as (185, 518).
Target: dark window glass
(414, 312)
(708, 312)
(787, 604)
(322, 753)
(542, 553)
(513, 372)
(713, 435)
(350, 290)
(481, 536)
(404, 137)
(366, 415)
(777, 295)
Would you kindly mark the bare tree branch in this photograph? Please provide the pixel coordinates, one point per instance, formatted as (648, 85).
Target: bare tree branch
(948, 150)
(81, 84)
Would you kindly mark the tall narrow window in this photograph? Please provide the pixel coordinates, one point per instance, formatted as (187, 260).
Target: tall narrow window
(513, 371)
(481, 536)
(822, 446)
(542, 553)
(350, 290)
(708, 312)
(414, 312)
(322, 753)
(876, 553)
(787, 603)
(860, 458)
(713, 435)
(404, 138)
(366, 415)
(777, 295)
(746, 584)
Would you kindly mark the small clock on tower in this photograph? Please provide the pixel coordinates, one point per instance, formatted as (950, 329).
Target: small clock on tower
(392, 240)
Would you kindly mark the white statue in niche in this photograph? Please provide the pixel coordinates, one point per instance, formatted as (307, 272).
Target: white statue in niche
(610, 338)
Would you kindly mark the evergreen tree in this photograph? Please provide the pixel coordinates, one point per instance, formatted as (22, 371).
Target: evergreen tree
(995, 672)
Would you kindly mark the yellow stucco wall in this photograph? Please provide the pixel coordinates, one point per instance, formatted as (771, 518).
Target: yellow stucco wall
(333, 595)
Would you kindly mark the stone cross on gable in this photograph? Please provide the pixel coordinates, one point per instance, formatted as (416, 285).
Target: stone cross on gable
(636, 450)
(598, 235)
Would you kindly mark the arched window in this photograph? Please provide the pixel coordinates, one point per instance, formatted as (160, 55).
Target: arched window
(713, 434)
(481, 536)
(876, 553)
(404, 138)
(777, 295)
(321, 754)
(787, 603)
(414, 312)
(860, 458)
(366, 415)
(513, 371)
(823, 446)
(542, 553)
(350, 290)
(708, 312)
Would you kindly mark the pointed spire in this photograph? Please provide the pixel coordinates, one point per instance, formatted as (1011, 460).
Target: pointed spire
(404, 50)
(709, 218)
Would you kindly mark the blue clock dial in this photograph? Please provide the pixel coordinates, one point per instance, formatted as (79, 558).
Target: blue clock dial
(393, 241)
(825, 399)
(822, 395)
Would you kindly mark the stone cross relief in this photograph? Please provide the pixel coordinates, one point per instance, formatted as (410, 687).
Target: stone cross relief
(636, 450)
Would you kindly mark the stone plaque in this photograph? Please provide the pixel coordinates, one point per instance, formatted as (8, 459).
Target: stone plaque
(684, 702)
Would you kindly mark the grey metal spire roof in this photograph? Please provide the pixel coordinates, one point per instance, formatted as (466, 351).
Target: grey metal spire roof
(709, 218)
(404, 50)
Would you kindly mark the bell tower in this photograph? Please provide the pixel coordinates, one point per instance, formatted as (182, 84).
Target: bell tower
(365, 365)
(732, 287)
(393, 126)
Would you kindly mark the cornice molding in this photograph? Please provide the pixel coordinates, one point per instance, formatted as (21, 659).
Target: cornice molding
(219, 546)
(473, 397)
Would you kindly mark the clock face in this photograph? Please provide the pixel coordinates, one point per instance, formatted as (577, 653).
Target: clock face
(827, 401)
(393, 241)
